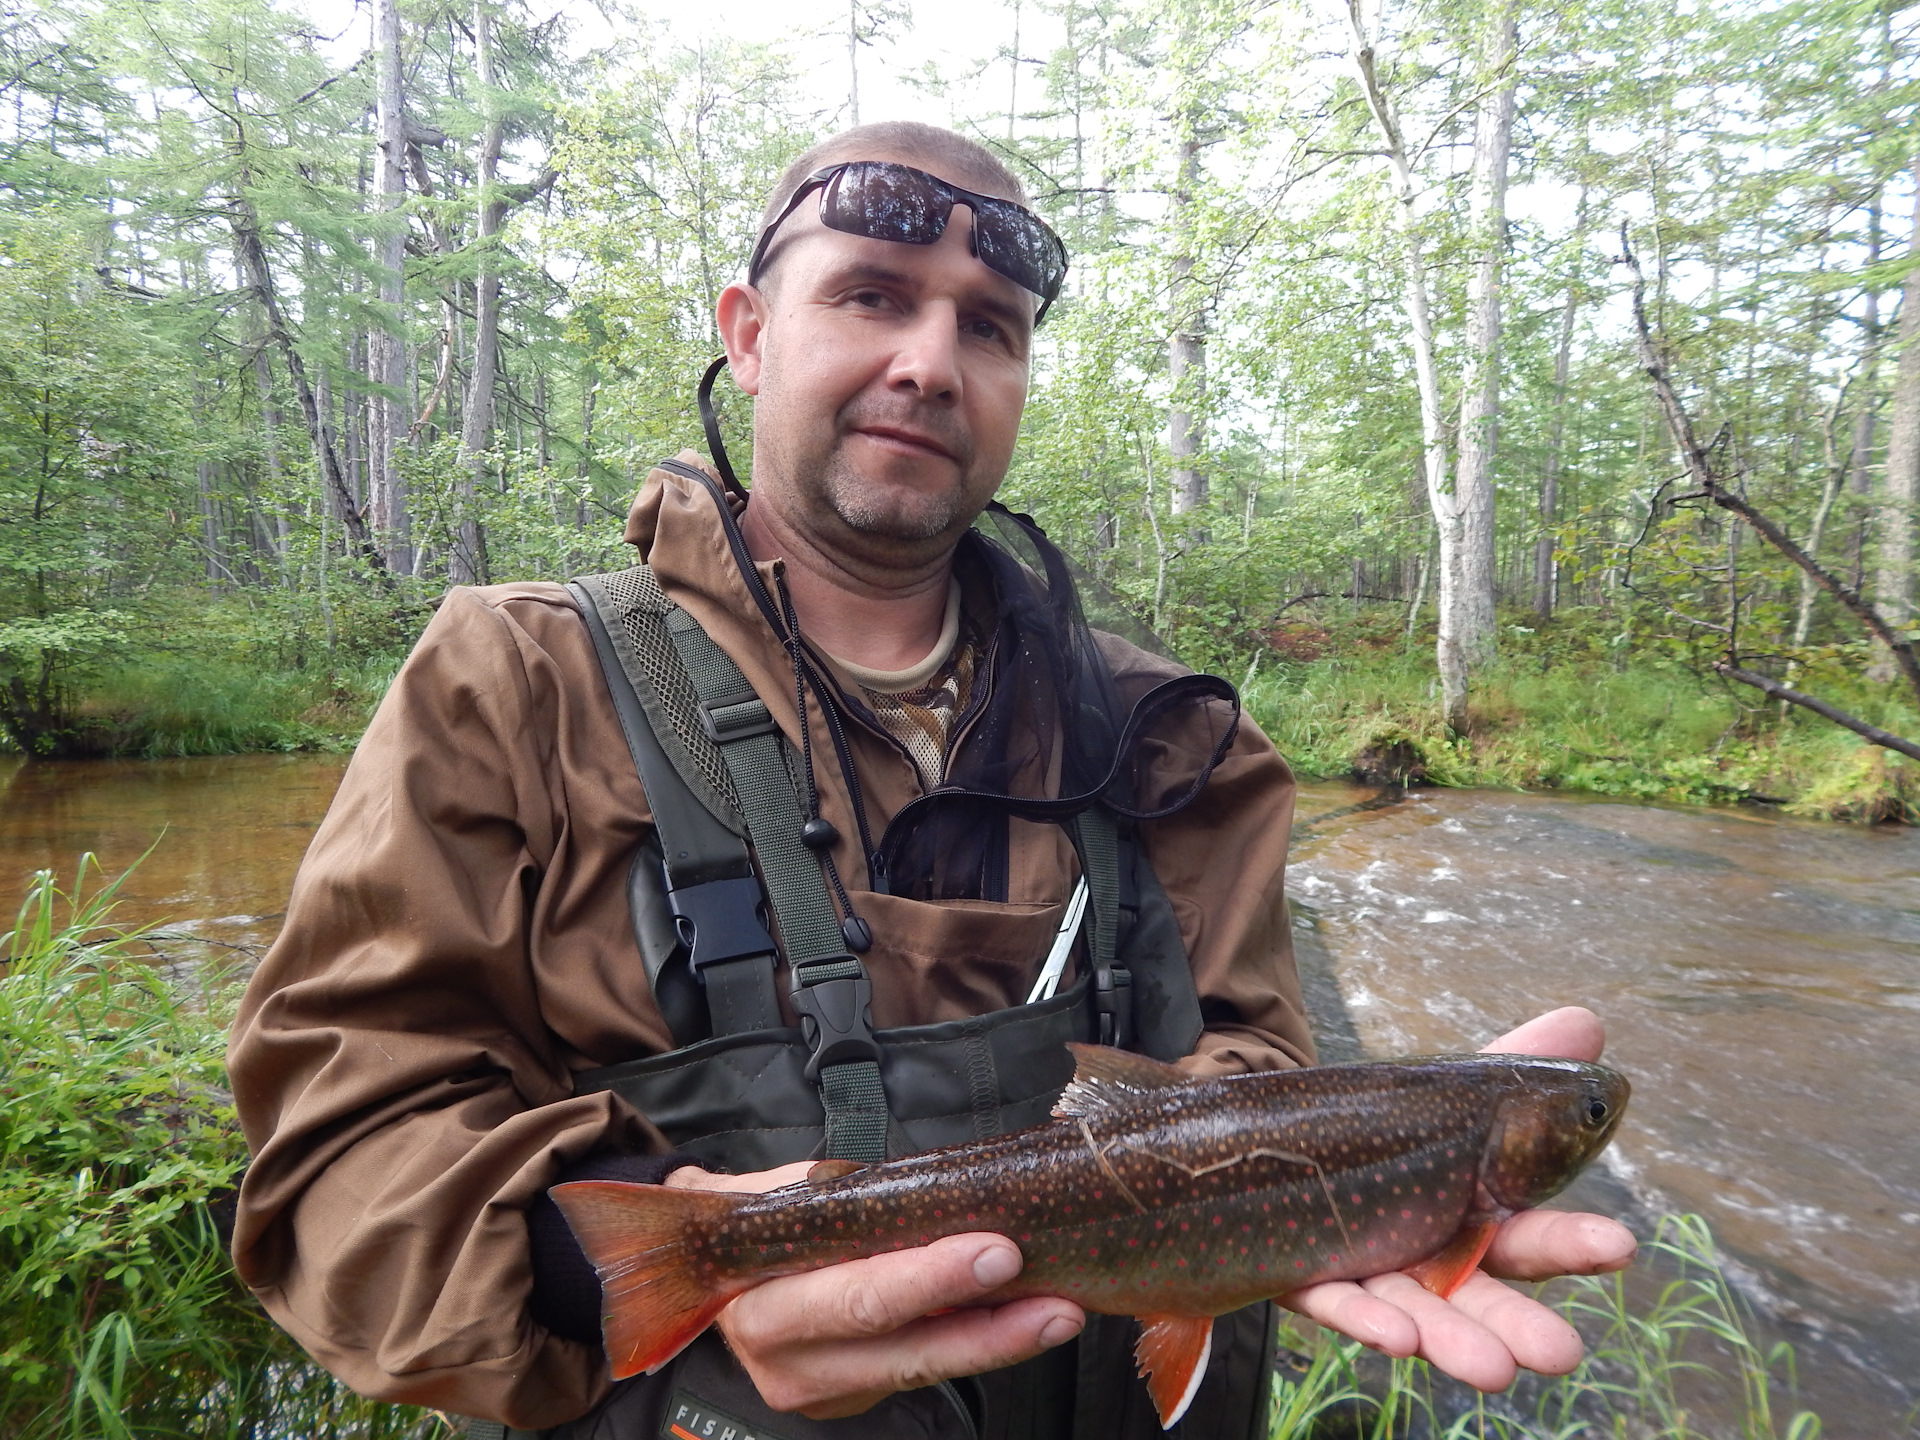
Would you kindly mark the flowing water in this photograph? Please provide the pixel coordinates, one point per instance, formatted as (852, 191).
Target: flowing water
(1760, 979)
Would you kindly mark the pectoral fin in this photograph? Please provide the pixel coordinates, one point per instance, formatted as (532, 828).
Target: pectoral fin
(1447, 1270)
(1172, 1355)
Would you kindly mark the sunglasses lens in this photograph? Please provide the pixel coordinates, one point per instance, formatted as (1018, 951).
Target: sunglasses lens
(885, 202)
(1014, 243)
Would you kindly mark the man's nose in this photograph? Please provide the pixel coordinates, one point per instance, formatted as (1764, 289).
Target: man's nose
(928, 357)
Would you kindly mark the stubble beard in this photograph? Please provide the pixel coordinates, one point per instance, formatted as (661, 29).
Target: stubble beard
(883, 511)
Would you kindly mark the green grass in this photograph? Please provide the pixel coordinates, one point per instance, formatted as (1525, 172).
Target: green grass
(119, 1314)
(1648, 1373)
(1557, 711)
(167, 705)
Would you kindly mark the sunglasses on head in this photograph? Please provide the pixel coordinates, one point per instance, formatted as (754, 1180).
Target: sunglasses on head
(881, 200)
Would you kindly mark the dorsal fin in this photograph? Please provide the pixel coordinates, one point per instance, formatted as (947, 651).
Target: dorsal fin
(1104, 1077)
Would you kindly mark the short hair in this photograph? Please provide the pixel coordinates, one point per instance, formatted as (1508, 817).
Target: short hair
(933, 148)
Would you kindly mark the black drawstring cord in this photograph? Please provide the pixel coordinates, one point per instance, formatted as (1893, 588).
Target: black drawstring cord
(854, 930)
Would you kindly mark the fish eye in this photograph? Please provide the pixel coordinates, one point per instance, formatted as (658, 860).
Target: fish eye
(1597, 1112)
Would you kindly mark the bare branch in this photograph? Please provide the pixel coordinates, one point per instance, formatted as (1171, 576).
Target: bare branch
(1700, 466)
(1775, 690)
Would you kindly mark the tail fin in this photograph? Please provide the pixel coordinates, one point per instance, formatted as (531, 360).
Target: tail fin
(652, 1302)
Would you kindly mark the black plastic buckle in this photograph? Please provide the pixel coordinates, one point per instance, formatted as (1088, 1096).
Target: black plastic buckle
(1113, 1003)
(740, 716)
(720, 920)
(836, 1016)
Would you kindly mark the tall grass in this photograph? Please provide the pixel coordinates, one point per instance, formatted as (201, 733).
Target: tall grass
(1684, 1368)
(120, 1318)
(1556, 715)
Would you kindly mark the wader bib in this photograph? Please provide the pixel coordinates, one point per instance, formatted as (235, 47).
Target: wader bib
(745, 1091)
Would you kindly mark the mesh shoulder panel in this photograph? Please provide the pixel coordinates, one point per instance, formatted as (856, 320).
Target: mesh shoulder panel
(643, 607)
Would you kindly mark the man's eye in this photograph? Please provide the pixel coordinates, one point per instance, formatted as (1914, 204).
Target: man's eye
(982, 329)
(869, 299)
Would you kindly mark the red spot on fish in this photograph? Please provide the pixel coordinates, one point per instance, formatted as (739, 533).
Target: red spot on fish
(1406, 1214)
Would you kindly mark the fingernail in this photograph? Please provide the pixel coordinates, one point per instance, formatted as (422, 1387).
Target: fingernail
(1059, 1330)
(996, 1265)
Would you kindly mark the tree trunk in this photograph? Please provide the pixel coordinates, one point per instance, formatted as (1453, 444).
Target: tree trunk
(1893, 577)
(387, 418)
(1546, 574)
(1448, 518)
(1187, 352)
(467, 562)
(252, 255)
(853, 61)
(1480, 366)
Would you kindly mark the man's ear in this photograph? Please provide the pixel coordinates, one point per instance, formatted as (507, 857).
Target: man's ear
(742, 319)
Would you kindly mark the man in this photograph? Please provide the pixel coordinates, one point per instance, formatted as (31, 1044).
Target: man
(411, 1062)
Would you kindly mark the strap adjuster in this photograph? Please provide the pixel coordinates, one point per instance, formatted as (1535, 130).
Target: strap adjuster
(1113, 1003)
(836, 1017)
(740, 716)
(720, 920)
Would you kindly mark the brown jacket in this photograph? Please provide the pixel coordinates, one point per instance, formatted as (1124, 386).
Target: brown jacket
(458, 945)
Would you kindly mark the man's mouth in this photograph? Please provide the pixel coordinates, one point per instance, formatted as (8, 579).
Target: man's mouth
(914, 441)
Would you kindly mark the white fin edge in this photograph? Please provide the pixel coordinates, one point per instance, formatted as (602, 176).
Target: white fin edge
(1193, 1385)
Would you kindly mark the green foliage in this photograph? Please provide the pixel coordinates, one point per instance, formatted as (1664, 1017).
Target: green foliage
(92, 430)
(1565, 709)
(1684, 1367)
(119, 1316)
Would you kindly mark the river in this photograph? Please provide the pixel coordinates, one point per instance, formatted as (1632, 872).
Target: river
(1760, 978)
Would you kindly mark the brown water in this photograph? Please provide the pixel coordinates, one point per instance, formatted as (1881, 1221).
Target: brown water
(229, 831)
(1760, 979)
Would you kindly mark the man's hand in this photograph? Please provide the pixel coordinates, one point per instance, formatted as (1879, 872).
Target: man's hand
(838, 1341)
(1487, 1331)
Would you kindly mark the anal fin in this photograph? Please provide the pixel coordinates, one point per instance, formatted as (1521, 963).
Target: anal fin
(1172, 1354)
(1447, 1270)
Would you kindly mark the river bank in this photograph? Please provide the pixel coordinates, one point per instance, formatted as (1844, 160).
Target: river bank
(1564, 709)
(1342, 695)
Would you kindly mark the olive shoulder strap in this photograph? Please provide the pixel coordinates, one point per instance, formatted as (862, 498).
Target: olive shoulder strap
(708, 710)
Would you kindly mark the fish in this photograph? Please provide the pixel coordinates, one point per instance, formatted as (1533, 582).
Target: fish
(1150, 1193)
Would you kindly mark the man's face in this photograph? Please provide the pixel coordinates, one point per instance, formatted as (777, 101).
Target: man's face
(890, 380)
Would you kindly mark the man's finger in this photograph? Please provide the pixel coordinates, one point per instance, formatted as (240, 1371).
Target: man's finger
(1452, 1340)
(1343, 1306)
(1539, 1244)
(1538, 1338)
(849, 1377)
(1572, 1032)
(692, 1177)
(865, 1298)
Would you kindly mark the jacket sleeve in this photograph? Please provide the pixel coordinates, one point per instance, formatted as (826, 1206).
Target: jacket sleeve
(401, 1090)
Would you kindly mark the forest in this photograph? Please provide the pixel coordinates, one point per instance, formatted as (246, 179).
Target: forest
(1498, 393)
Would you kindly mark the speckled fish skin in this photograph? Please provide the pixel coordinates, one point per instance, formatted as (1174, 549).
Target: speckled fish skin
(1152, 1194)
(1194, 1199)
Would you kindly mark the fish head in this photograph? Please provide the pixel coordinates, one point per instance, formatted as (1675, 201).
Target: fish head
(1555, 1117)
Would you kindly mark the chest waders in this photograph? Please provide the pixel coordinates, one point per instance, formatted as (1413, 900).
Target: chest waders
(745, 1091)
